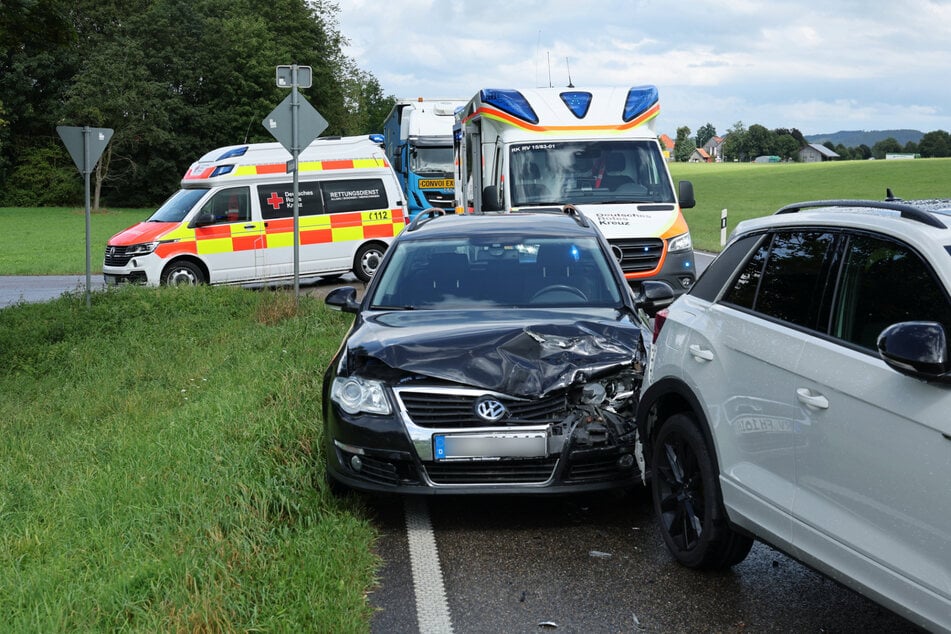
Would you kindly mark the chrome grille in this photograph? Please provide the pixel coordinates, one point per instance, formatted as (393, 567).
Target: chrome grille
(639, 255)
(456, 409)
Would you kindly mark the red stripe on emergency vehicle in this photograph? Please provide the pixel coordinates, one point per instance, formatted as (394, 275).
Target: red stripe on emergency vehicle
(493, 113)
(205, 173)
(316, 236)
(337, 165)
(272, 168)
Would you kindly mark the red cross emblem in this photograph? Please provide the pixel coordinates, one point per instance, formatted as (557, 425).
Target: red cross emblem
(275, 201)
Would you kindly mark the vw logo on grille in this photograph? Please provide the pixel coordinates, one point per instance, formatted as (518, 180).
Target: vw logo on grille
(111, 250)
(490, 410)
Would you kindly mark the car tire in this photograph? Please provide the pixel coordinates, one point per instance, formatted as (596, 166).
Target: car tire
(182, 273)
(687, 499)
(367, 260)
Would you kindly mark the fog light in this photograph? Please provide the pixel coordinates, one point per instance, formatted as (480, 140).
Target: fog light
(355, 463)
(626, 461)
(686, 282)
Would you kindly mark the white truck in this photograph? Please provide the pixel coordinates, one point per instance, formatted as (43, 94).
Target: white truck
(596, 149)
(418, 140)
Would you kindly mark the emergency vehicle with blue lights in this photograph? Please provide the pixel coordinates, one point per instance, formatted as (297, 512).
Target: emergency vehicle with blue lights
(232, 220)
(595, 149)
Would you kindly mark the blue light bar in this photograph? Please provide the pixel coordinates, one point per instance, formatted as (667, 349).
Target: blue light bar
(377, 138)
(221, 170)
(577, 102)
(511, 102)
(639, 100)
(238, 151)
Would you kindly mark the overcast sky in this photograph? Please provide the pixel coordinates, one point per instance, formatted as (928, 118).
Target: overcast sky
(817, 65)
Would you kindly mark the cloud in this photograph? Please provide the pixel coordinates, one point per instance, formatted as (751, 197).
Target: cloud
(815, 65)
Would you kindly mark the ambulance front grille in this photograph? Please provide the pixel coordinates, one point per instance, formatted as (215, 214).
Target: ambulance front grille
(639, 255)
(116, 256)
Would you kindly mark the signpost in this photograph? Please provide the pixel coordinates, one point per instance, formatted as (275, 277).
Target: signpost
(295, 124)
(85, 145)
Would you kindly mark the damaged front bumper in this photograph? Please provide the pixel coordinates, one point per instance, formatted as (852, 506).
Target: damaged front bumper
(436, 441)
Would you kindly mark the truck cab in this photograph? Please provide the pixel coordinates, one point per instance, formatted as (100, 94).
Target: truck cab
(597, 150)
(418, 142)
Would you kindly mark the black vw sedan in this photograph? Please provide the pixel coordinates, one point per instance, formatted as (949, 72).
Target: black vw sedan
(496, 353)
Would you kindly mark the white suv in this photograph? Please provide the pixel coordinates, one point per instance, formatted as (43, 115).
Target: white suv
(800, 394)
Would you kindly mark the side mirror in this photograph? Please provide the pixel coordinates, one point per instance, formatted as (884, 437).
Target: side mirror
(916, 348)
(490, 199)
(398, 158)
(203, 219)
(655, 296)
(685, 195)
(343, 299)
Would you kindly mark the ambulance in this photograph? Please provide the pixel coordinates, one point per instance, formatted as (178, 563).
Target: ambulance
(232, 221)
(596, 150)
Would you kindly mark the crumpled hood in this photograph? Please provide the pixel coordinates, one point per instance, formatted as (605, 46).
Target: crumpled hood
(525, 353)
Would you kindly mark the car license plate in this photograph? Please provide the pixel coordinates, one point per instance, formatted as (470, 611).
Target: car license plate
(490, 446)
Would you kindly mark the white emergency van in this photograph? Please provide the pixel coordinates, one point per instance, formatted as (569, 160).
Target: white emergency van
(596, 149)
(232, 221)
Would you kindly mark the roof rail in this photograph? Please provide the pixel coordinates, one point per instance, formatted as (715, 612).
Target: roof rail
(573, 212)
(906, 211)
(425, 216)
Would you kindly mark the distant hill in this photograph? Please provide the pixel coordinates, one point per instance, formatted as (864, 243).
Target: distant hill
(855, 138)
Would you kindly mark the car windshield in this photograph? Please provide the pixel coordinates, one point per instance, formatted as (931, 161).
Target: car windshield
(479, 271)
(177, 207)
(432, 160)
(593, 172)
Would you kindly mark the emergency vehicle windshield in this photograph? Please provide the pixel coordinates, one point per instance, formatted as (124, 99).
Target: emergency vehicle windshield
(177, 207)
(592, 172)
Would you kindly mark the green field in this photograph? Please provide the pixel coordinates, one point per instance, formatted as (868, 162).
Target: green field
(748, 190)
(52, 241)
(160, 470)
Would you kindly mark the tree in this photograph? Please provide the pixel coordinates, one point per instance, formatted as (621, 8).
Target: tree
(705, 133)
(734, 146)
(886, 146)
(786, 146)
(759, 141)
(683, 145)
(935, 144)
(173, 78)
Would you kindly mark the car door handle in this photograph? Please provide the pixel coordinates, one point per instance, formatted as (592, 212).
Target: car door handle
(249, 226)
(700, 354)
(818, 401)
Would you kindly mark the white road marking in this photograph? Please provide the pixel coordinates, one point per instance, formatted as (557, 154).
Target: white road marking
(432, 608)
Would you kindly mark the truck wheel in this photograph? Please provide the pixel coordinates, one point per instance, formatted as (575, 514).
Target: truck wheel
(367, 261)
(687, 499)
(182, 273)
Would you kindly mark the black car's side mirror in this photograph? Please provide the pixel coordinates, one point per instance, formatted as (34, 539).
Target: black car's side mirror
(655, 296)
(343, 299)
(918, 349)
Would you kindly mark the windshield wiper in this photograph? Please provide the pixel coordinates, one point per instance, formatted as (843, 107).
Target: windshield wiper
(374, 307)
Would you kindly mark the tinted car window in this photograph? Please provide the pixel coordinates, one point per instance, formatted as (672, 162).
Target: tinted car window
(720, 270)
(504, 271)
(785, 277)
(883, 283)
(229, 205)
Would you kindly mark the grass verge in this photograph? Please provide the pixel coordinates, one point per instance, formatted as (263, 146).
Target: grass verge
(160, 467)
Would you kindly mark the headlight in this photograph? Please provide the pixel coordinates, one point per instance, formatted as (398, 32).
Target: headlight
(141, 249)
(680, 243)
(355, 395)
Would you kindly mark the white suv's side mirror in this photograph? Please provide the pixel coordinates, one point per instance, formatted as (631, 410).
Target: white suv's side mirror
(918, 349)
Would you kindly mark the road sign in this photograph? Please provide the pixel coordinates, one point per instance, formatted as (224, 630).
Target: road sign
(85, 145)
(310, 123)
(79, 140)
(285, 76)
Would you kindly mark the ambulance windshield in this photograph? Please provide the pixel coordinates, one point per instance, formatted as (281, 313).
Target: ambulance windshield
(592, 172)
(177, 207)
